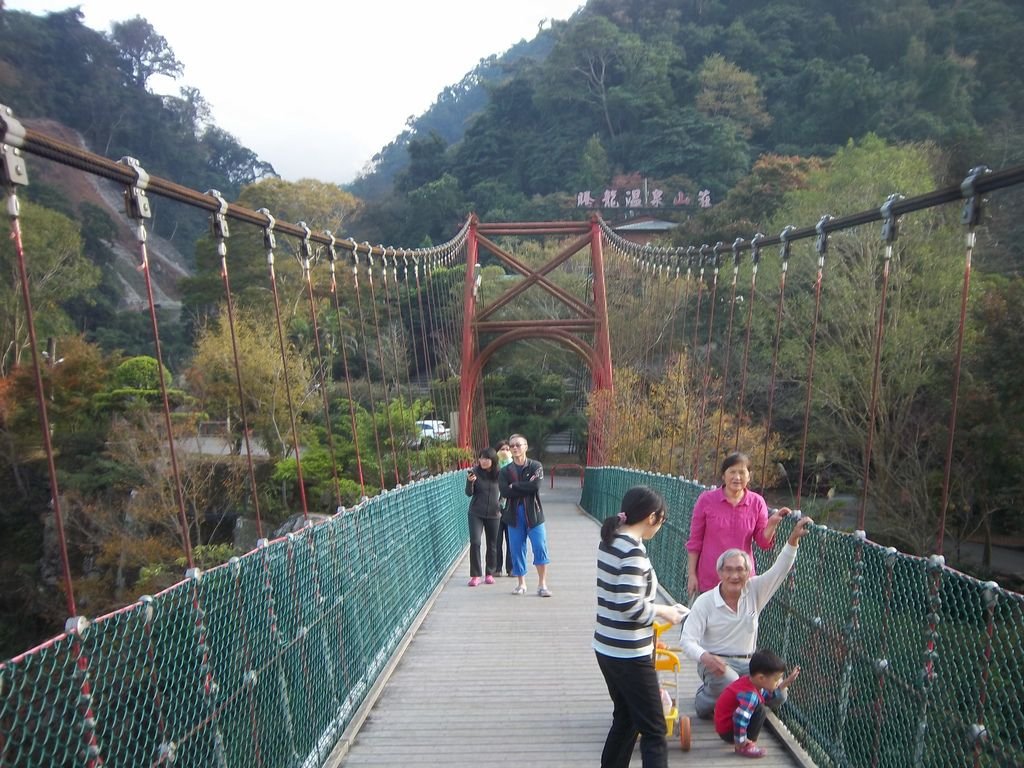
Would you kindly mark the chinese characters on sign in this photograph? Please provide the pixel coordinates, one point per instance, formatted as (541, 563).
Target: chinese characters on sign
(633, 198)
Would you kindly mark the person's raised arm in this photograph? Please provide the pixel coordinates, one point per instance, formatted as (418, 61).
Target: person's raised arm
(762, 587)
(799, 531)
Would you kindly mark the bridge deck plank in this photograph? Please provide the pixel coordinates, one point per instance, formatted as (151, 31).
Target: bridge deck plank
(492, 679)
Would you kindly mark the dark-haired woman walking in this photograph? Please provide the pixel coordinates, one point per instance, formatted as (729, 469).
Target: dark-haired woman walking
(484, 516)
(624, 637)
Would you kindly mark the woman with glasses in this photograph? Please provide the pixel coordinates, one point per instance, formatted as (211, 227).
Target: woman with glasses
(624, 638)
(520, 484)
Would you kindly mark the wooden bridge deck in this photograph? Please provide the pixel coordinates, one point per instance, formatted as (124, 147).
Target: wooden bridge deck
(493, 679)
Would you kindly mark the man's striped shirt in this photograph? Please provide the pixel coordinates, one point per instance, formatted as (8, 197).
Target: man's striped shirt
(626, 588)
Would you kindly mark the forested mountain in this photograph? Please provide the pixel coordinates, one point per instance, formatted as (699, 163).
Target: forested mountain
(689, 93)
(448, 115)
(686, 94)
(55, 67)
(749, 115)
(92, 89)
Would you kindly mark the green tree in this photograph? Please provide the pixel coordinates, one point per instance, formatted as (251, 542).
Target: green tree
(426, 162)
(653, 423)
(143, 52)
(57, 272)
(750, 204)
(989, 452)
(212, 378)
(321, 205)
(438, 208)
(918, 335)
(595, 169)
(727, 90)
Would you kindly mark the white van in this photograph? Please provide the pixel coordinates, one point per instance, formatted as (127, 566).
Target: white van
(432, 429)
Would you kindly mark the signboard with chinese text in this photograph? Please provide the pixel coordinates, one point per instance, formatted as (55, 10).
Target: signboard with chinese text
(633, 198)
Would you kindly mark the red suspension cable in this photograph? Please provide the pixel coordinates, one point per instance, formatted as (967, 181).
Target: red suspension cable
(875, 377)
(333, 257)
(755, 260)
(366, 364)
(706, 383)
(220, 229)
(971, 217)
(270, 243)
(399, 364)
(305, 262)
(13, 210)
(383, 367)
(775, 351)
(822, 247)
(667, 466)
(682, 400)
(728, 343)
(138, 209)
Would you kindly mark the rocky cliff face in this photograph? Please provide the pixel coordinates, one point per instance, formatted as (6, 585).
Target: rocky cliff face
(167, 265)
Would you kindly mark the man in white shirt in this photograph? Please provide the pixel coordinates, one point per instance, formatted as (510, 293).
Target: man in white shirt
(721, 631)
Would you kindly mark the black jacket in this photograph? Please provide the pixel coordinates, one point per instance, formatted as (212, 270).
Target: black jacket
(484, 493)
(526, 490)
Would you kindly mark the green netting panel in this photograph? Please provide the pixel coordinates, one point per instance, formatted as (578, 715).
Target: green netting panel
(262, 661)
(904, 662)
(603, 489)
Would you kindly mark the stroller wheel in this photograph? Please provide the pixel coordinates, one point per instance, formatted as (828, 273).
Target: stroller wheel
(684, 733)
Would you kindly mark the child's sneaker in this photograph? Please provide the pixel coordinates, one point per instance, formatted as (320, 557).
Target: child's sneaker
(749, 749)
(488, 579)
(474, 581)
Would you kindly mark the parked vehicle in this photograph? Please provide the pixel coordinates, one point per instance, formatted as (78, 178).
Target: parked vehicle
(431, 429)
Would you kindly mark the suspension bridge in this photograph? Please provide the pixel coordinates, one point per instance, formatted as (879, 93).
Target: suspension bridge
(279, 656)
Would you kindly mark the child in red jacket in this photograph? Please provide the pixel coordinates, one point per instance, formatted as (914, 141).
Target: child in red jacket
(740, 710)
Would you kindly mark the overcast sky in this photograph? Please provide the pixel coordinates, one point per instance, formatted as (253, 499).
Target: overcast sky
(317, 87)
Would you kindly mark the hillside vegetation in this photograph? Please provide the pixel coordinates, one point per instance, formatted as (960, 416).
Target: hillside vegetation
(748, 115)
(689, 93)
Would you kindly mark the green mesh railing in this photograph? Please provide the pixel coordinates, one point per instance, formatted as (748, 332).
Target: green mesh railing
(904, 662)
(262, 661)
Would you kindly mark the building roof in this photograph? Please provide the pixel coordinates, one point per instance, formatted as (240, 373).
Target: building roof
(646, 225)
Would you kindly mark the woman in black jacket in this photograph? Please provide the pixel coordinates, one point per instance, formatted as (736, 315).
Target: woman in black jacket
(482, 487)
